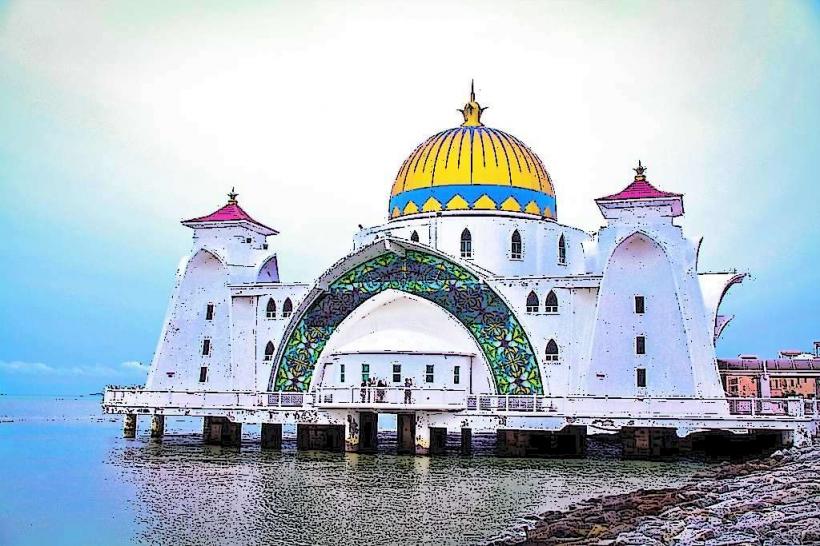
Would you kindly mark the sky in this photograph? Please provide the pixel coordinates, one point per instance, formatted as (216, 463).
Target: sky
(119, 119)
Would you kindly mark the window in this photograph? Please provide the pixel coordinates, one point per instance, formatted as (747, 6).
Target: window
(640, 305)
(640, 377)
(456, 375)
(429, 376)
(287, 308)
(269, 348)
(209, 311)
(206, 346)
(515, 246)
(396, 373)
(551, 353)
(532, 303)
(203, 374)
(640, 345)
(341, 373)
(466, 244)
(551, 303)
(414, 236)
(365, 372)
(270, 311)
(562, 251)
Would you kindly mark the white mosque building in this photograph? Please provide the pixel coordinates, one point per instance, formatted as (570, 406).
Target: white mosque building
(472, 292)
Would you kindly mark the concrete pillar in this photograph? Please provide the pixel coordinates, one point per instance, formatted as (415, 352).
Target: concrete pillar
(157, 426)
(438, 440)
(422, 436)
(221, 431)
(368, 431)
(352, 432)
(466, 441)
(406, 433)
(129, 426)
(320, 437)
(271, 436)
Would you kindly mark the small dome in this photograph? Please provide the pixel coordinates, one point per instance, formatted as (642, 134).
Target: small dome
(472, 167)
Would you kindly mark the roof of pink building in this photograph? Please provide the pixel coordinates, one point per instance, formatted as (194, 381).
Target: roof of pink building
(640, 188)
(231, 212)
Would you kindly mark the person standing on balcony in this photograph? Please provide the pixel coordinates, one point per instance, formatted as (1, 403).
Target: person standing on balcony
(408, 393)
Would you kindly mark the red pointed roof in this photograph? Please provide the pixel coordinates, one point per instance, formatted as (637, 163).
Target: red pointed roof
(231, 212)
(639, 189)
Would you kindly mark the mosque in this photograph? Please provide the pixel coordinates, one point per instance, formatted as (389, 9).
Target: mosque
(471, 307)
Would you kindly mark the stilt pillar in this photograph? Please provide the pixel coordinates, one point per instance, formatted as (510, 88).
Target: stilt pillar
(221, 431)
(368, 440)
(406, 433)
(466, 441)
(438, 440)
(271, 436)
(157, 426)
(129, 426)
(352, 431)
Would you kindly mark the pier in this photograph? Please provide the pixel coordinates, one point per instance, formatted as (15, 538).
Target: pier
(346, 419)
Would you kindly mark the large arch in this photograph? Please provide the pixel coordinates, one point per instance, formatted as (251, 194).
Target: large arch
(502, 339)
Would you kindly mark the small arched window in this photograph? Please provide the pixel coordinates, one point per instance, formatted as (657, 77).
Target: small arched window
(414, 236)
(532, 303)
(287, 308)
(562, 251)
(269, 349)
(551, 303)
(551, 354)
(270, 311)
(515, 246)
(466, 244)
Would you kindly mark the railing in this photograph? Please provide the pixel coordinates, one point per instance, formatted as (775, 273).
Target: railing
(142, 398)
(377, 397)
(635, 406)
(458, 399)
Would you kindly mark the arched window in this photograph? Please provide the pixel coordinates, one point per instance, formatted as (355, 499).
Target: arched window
(551, 354)
(270, 312)
(532, 303)
(269, 348)
(562, 251)
(414, 236)
(551, 303)
(466, 244)
(287, 308)
(515, 246)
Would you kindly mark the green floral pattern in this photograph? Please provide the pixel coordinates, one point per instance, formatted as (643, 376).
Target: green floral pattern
(493, 325)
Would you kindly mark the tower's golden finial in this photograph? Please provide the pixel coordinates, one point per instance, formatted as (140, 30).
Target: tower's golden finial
(232, 195)
(639, 170)
(472, 110)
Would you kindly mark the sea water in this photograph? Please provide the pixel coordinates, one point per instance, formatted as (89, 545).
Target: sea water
(68, 477)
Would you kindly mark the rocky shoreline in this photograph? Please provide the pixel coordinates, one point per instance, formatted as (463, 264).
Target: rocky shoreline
(771, 501)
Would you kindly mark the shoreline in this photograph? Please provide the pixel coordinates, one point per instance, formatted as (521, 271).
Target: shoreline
(774, 501)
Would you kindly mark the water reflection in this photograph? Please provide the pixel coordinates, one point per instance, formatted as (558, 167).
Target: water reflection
(186, 492)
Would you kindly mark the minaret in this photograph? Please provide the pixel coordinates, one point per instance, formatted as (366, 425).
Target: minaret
(231, 233)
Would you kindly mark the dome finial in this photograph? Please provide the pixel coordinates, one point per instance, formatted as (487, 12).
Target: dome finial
(232, 195)
(472, 110)
(639, 170)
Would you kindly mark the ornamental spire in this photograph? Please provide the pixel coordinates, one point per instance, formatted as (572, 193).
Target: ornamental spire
(639, 170)
(232, 195)
(472, 110)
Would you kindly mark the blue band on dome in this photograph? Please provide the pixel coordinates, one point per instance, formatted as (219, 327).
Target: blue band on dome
(471, 193)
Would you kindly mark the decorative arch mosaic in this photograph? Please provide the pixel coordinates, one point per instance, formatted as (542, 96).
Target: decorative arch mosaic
(493, 325)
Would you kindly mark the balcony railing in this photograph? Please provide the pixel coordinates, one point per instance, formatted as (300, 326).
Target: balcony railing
(386, 398)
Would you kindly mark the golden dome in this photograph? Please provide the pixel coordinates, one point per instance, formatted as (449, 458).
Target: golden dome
(472, 167)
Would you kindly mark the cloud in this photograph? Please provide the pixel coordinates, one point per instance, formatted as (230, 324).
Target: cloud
(126, 369)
